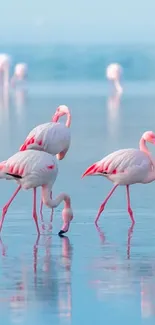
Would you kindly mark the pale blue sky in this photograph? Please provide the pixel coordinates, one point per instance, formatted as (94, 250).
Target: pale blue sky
(77, 21)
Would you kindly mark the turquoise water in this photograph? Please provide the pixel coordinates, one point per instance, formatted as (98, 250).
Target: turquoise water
(83, 63)
(94, 275)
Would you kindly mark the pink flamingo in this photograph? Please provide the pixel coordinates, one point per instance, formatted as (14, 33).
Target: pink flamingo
(126, 167)
(52, 137)
(20, 73)
(4, 69)
(113, 73)
(31, 169)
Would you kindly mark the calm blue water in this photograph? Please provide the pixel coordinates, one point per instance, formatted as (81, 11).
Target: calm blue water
(74, 62)
(93, 275)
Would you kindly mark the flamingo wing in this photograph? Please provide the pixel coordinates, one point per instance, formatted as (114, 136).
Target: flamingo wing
(123, 160)
(31, 168)
(35, 139)
(49, 137)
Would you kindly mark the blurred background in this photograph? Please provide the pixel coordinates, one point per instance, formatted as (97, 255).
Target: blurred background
(103, 274)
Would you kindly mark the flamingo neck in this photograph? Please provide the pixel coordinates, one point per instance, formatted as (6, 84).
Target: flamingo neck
(68, 122)
(6, 77)
(143, 147)
(57, 116)
(118, 86)
(46, 198)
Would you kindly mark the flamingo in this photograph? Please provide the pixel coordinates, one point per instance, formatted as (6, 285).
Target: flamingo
(113, 73)
(126, 167)
(20, 72)
(52, 137)
(4, 69)
(31, 169)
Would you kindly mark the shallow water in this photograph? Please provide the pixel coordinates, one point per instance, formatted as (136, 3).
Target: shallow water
(94, 275)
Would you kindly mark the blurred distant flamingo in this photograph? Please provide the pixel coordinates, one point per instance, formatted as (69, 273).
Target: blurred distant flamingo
(31, 169)
(52, 137)
(126, 167)
(20, 73)
(113, 73)
(4, 69)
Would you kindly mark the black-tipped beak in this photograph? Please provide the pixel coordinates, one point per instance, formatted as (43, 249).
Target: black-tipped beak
(61, 233)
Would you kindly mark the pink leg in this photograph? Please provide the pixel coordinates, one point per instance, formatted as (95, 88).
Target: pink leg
(51, 219)
(104, 203)
(41, 211)
(129, 207)
(130, 232)
(7, 206)
(34, 210)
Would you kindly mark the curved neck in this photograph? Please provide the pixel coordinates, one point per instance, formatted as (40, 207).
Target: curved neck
(46, 197)
(143, 147)
(56, 117)
(68, 122)
(118, 86)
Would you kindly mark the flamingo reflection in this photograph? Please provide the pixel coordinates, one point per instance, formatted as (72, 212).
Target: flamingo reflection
(65, 293)
(148, 296)
(115, 276)
(113, 113)
(52, 279)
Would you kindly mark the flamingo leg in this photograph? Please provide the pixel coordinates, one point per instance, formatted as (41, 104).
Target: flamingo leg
(35, 211)
(51, 219)
(7, 206)
(104, 203)
(129, 206)
(41, 211)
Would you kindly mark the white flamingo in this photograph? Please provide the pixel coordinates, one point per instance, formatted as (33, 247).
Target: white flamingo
(31, 169)
(113, 73)
(126, 167)
(4, 69)
(52, 137)
(20, 73)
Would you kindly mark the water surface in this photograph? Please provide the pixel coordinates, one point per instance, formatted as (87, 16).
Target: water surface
(94, 275)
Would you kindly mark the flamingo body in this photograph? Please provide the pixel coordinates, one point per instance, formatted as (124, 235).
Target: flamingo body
(4, 60)
(113, 73)
(20, 70)
(126, 166)
(4, 69)
(50, 137)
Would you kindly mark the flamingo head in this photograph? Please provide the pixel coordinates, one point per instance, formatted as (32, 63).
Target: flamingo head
(149, 136)
(62, 154)
(60, 111)
(67, 216)
(94, 170)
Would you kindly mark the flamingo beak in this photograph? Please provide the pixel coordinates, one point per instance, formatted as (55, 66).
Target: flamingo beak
(94, 169)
